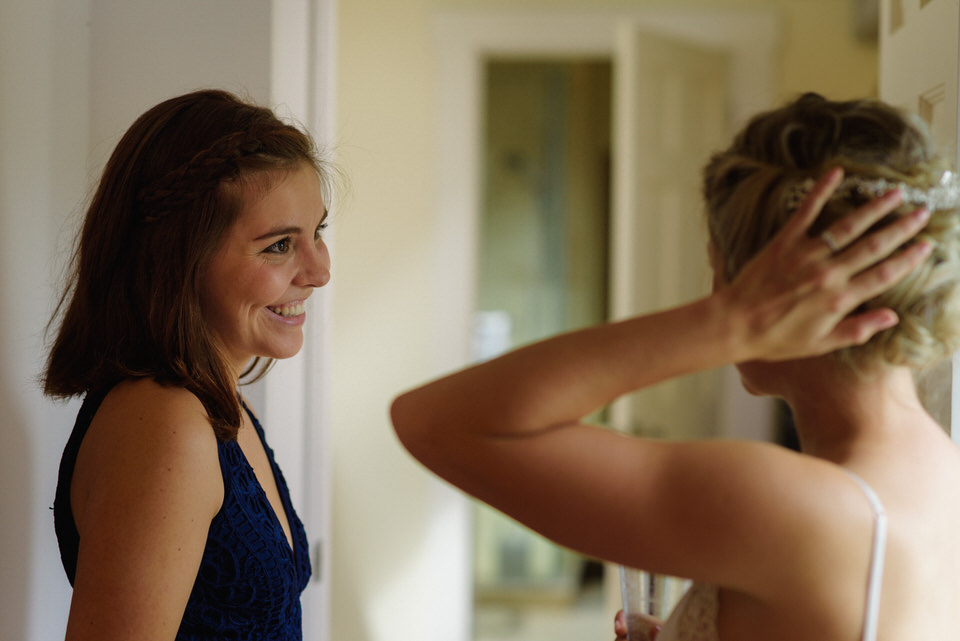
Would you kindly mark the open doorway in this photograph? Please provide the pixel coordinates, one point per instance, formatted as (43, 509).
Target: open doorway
(542, 269)
(469, 42)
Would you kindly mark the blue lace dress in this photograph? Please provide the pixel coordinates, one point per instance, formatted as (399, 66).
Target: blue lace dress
(249, 583)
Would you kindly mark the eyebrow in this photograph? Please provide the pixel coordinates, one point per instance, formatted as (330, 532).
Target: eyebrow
(280, 231)
(286, 231)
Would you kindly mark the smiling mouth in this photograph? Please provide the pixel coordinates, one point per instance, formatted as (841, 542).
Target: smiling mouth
(289, 309)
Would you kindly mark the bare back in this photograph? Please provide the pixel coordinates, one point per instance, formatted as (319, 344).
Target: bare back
(825, 582)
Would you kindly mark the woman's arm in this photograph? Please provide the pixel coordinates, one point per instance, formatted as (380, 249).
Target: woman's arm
(792, 300)
(146, 486)
(508, 430)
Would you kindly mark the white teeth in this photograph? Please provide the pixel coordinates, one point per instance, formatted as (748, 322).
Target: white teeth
(289, 309)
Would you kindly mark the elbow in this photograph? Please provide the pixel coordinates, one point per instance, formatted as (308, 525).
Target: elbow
(407, 423)
(421, 430)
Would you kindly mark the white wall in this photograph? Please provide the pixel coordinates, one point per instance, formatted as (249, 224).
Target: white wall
(143, 52)
(73, 76)
(43, 141)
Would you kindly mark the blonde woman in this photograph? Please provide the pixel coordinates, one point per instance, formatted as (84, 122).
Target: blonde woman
(854, 537)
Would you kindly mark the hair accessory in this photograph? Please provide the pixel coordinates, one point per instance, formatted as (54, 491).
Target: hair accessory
(944, 195)
(830, 241)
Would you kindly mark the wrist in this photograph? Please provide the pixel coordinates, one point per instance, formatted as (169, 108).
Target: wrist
(730, 322)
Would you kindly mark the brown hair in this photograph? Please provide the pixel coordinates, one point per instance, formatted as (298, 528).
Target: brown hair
(171, 189)
(745, 190)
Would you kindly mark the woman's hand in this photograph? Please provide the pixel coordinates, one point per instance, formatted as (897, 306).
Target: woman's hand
(792, 300)
(795, 297)
(645, 628)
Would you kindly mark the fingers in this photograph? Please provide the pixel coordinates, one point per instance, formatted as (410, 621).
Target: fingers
(642, 627)
(849, 228)
(620, 626)
(809, 209)
(858, 329)
(620, 623)
(881, 277)
(871, 248)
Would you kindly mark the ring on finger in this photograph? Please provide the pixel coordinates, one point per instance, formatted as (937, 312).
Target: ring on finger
(830, 241)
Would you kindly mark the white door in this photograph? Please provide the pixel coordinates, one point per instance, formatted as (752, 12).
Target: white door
(670, 112)
(919, 70)
(293, 398)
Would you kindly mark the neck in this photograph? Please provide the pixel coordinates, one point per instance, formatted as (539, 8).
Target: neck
(238, 366)
(838, 411)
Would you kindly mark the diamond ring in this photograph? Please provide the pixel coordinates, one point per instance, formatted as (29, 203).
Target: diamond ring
(830, 241)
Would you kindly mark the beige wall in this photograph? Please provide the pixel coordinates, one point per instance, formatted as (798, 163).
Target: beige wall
(388, 575)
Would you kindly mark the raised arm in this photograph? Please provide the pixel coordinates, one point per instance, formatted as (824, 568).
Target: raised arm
(508, 431)
(792, 300)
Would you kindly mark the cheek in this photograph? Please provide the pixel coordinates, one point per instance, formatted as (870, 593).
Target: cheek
(265, 286)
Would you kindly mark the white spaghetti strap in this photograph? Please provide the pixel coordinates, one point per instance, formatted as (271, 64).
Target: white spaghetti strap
(875, 581)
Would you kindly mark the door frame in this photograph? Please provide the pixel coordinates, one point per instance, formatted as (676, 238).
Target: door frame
(465, 39)
(934, 84)
(295, 395)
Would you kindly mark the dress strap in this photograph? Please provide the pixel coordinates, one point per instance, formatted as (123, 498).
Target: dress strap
(875, 581)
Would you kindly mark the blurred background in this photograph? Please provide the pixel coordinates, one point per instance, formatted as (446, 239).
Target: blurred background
(497, 154)
(487, 180)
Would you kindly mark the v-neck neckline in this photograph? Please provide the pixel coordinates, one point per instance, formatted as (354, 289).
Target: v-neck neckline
(284, 501)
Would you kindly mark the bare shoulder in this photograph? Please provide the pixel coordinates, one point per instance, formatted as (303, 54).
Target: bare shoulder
(146, 487)
(726, 493)
(157, 416)
(149, 435)
(153, 403)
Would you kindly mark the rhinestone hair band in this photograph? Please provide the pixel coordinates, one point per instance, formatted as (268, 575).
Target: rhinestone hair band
(944, 195)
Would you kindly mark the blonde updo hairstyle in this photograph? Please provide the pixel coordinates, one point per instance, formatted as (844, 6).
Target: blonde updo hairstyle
(746, 192)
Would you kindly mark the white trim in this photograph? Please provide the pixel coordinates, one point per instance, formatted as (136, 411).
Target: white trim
(296, 405)
(465, 38)
(318, 472)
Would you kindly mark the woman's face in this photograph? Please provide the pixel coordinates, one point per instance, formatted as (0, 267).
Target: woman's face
(257, 283)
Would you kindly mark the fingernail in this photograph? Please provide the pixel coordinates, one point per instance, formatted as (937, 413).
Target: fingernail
(890, 321)
(924, 247)
(921, 214)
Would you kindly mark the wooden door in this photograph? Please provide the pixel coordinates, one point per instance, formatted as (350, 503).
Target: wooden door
(670, 112)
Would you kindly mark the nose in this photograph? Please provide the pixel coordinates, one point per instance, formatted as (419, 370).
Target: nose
(315, 266)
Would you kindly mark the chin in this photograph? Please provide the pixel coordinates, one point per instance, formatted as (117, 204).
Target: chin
(288, 349)
(286, 353)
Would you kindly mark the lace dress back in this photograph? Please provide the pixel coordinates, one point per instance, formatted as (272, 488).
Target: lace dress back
(249, 582)
(695, 616)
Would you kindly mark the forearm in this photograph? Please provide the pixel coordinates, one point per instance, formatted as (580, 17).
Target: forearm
(794, 299)
(562, 379)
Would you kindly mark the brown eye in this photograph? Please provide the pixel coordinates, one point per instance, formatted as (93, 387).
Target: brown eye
(282, 246)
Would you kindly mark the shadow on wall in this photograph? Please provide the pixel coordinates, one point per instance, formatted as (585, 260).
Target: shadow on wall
(16, 490)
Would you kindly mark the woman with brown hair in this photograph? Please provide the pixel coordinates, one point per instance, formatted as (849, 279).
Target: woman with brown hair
(852, 538)
(195, 261)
